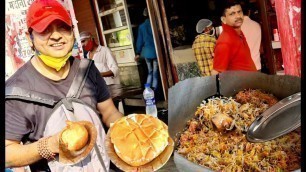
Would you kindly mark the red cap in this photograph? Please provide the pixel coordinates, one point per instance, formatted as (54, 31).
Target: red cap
(42, 12)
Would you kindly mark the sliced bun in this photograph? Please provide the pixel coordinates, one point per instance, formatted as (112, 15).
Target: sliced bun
(139, 138)
(75, 136)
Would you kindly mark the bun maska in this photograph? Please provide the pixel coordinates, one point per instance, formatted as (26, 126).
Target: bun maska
(139, 138)
(75, 137)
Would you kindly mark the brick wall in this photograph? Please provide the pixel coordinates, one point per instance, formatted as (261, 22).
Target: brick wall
(85, 17)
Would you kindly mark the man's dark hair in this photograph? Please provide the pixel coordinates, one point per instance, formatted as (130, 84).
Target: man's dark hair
(228, 4)
(245, 5)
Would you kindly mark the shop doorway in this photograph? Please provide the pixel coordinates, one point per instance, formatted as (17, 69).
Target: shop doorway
(262, 12)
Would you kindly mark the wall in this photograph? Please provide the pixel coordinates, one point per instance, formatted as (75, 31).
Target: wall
(185, 62)
(85, 16)
(289, 26)
(128, 77)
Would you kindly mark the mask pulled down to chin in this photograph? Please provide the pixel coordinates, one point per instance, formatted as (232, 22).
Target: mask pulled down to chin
(54, 62)
(89, 45)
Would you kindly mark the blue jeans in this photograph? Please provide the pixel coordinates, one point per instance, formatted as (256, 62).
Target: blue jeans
(152, 72)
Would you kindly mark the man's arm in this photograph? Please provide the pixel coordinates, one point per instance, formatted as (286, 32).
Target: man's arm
(18, 155)
(107, 74)
(111, 64)
(212, 45)
(140, 41)
(221, 58)
(136, 58)
(109, 112)
(214, 72)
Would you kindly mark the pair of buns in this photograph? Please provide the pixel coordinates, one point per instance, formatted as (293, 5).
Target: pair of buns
(139, 138)
(75, 136)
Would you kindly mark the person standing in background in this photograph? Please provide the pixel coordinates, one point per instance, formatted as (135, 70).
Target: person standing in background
(103, 58)
(232, 51)
(252, 31)
(145, 48)
(204, 45)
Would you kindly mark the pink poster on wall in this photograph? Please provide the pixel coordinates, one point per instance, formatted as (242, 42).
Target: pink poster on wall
(17, 49)
(289, 25)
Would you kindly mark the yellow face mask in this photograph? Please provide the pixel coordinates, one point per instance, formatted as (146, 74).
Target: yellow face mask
(56, 63)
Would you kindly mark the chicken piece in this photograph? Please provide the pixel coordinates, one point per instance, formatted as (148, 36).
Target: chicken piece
(193, 126)
(222, 121)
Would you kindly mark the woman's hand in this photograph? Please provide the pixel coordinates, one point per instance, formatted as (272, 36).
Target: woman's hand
(53, 143)
(17, 155)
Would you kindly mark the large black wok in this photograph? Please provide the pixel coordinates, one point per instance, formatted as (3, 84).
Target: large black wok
(186, 96)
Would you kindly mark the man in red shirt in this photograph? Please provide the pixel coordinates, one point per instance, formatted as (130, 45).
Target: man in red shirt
(232, 51)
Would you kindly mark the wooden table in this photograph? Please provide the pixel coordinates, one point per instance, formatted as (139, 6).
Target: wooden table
(119, 92)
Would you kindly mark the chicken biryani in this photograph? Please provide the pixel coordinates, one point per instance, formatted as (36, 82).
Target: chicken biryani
(215, 138)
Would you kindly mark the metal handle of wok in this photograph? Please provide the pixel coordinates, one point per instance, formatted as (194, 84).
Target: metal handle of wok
(218, 85)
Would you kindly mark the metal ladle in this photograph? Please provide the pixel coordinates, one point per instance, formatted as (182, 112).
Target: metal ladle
(278, 120)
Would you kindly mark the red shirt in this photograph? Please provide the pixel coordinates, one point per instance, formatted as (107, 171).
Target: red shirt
(232, 52)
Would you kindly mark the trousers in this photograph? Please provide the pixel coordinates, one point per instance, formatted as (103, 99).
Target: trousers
(153, 73)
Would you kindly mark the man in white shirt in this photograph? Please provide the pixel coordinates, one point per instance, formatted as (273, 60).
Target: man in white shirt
(103, 58)
(252, 31)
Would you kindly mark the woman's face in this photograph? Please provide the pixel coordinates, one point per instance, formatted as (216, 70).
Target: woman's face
(56, 40)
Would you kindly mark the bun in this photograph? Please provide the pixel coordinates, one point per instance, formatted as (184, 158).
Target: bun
(75, 136)
(139, 138)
